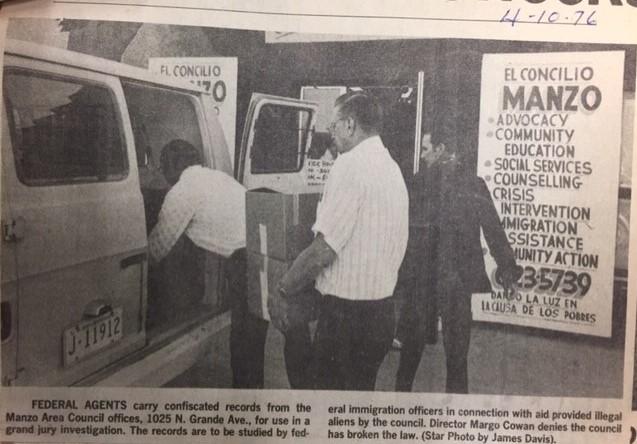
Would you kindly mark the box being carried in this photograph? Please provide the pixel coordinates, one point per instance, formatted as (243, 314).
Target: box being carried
(279, 225)
(279, 228)
(264, 274)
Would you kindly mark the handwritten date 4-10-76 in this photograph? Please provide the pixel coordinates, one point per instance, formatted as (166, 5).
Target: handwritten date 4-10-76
(578, 17)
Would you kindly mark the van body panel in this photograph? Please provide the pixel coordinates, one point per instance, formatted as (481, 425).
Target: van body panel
(76, 224)
(218, 150)
(165, 363)
(78, 240)
(8, 276)
(65, 58)
(57, 300)
(9, 345)
(8, 273)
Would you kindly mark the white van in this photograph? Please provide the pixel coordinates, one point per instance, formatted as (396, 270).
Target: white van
(81, 189)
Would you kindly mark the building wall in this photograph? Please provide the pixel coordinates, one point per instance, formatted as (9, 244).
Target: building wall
(451, 66)
(41, 31)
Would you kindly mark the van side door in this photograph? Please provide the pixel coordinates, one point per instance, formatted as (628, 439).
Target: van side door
(72, 182)
(275, 148)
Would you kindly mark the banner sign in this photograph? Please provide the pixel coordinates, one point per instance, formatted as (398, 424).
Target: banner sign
(218, 75)
(549, 151)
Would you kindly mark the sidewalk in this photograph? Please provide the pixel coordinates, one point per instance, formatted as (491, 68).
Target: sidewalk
(502, 360)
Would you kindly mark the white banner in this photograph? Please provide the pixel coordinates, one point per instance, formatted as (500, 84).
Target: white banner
(549, 150)
(218, 75)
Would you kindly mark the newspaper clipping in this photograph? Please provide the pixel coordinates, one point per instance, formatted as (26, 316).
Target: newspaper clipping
(347, 221)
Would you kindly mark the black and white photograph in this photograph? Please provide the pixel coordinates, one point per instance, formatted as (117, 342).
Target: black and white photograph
(216, 208)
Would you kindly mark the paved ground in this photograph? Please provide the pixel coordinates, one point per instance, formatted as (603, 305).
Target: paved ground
(502, 360)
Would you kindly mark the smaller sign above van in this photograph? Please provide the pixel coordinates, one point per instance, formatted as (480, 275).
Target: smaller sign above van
(217, 75)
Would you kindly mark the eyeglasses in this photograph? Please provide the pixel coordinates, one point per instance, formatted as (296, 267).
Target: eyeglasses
(332, 125)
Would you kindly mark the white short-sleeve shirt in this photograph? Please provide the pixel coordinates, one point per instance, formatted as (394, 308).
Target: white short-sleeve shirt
(363, 217)
(209, 206)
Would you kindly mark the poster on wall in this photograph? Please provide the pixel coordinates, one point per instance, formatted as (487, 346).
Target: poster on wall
(549, 151)
(217, 75)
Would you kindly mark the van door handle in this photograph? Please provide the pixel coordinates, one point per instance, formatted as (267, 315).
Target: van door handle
(132, 260)
(13, 229)
(6, 321)
(97, 308)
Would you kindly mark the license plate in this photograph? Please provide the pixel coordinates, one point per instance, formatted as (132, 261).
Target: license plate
(92, 335)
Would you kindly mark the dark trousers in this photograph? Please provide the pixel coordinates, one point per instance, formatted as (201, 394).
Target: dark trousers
(350, 343)
(411, 332)
(248, 333)
(455, 312)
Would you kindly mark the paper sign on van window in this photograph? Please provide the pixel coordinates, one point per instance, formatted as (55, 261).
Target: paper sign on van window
(217, 75)
(320, 159)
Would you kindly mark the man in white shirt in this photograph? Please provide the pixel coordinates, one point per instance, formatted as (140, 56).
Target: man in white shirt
(361, 235)
(208, 206)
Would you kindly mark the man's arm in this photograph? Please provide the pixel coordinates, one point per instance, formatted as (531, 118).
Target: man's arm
(176, 213)
(307, 266)
(494, 234)
(335, 222)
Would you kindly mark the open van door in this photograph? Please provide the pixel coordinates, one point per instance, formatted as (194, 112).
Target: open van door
(276, 148)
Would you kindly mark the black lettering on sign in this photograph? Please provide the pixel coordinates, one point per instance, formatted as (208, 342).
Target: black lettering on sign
(219, 91)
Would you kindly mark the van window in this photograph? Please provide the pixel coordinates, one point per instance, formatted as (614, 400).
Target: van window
(63, 130)
(159, 116)
(280, 136)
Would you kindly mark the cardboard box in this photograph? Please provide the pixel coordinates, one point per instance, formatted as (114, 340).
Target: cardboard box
(279, 225)
(264, 274)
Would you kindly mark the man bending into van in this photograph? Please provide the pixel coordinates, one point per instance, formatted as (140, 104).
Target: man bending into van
(208, 206)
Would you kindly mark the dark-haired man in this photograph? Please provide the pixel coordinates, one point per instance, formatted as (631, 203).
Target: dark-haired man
(361, 235)
(444, 263)
(208, 206)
